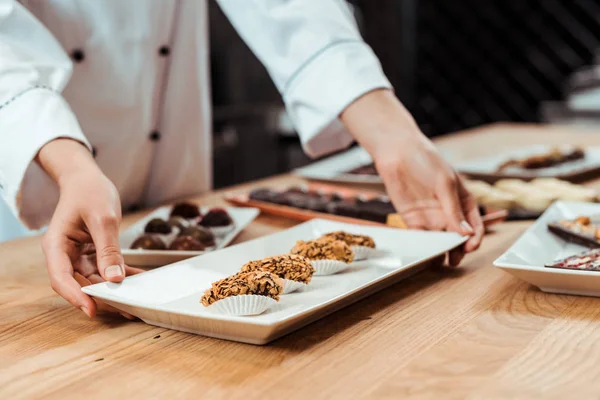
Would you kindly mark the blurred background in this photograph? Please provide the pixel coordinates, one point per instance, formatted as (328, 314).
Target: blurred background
(455, 65)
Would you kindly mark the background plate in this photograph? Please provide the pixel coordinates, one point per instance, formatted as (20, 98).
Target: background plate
(485, 168)
(537, 246)
(170, 296)
(156, 258)
(336, 168)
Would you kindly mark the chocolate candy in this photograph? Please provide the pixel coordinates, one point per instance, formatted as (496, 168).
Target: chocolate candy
(201, 234)
(586, 261)
(185, 210)
(158, 225)
(375, 210)
(186, 243)
(216, 217)
(582, 231)
(267, 195)
(148, 242)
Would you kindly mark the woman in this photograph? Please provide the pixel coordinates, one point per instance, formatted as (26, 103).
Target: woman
(126, 119)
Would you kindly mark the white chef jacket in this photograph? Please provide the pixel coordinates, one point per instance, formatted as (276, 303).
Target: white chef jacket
(129, 79)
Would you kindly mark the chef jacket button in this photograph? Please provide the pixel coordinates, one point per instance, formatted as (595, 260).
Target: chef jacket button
(155, 136)
(164, 51)
(94, 151)
(78, 55)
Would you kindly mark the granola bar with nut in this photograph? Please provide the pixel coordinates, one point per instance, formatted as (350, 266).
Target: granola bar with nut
(287, 266)
(259, 283)
(351, 239)
(324, 249)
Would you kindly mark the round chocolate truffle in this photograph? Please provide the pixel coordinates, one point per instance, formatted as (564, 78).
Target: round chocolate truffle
(178, 222)
(148, 242)
(185, 210)
(158, 225)
(201, 234)
(186, 243)
(216, 217)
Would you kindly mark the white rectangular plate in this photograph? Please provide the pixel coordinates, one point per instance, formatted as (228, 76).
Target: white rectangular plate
(336, 168)
(156, 258)
(170, 296)
(485, 168)
(538, 246)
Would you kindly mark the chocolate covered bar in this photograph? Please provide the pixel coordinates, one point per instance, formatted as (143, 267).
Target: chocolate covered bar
(587, 261)
(374, 209)
(582, 230)
(547, 160)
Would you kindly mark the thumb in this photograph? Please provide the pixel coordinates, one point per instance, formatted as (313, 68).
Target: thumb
(450, 201)
(105, 234)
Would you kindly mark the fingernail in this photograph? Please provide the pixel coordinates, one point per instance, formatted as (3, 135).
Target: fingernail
(86, 311)
(113, 271)
(467, 228)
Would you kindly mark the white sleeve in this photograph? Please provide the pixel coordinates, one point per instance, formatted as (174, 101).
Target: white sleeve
(33, 71)
(315, 55)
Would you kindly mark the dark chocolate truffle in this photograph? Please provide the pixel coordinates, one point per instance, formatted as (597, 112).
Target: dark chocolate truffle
(148, 242)
(216, 217)
(201, 234)
(185, 210)
(186, 243)
(158, 225)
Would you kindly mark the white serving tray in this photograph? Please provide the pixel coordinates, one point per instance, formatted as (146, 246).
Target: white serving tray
(170, 296)
(485, 168)
(538, 246)
(154, 258)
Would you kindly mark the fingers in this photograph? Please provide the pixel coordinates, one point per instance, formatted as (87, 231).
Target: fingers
(450, 200)
(456, 256)
(472, 213)
(105, 234)
(95, 278)
(60, 271)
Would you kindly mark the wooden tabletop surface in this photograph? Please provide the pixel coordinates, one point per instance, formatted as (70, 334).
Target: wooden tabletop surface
(473, 332)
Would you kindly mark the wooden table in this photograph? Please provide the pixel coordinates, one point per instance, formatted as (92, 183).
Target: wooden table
(474, 332)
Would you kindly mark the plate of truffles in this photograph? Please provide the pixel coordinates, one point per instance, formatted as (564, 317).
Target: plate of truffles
(262, 289)
(178, 232)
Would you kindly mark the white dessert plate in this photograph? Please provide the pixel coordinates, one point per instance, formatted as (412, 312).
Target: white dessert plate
(170, 296)
(486, 168)
(537, 247)
(337, 168)
(155, 258)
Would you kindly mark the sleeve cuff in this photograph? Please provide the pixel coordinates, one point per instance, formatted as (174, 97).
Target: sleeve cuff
(27, 123)
(324, 87)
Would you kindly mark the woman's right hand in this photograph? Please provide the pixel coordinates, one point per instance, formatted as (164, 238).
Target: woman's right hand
(81, 245)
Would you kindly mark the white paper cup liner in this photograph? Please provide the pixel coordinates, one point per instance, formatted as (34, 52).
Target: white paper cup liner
(362, 252)
(221, 231)
(249, 304)
(328, 267)
(290, 286)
